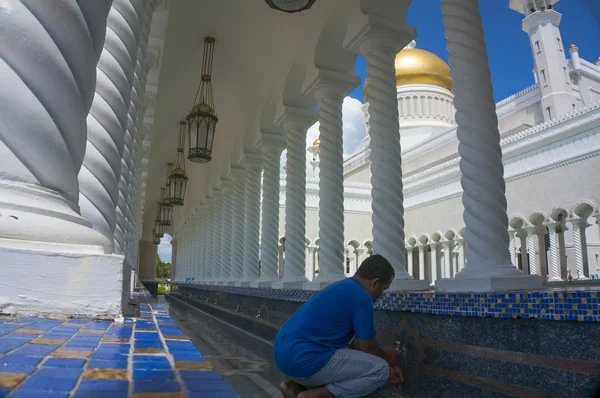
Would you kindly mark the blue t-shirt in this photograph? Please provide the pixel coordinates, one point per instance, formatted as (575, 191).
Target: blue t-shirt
(326, 322)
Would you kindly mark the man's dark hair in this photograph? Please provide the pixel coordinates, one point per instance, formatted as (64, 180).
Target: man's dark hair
(376, 266)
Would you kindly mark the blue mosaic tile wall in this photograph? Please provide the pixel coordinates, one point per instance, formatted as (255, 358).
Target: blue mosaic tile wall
(145, 357)
(577, 304)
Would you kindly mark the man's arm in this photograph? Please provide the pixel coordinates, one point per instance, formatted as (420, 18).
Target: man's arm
(371, 346)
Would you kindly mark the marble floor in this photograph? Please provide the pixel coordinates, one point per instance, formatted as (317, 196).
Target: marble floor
(148, 356)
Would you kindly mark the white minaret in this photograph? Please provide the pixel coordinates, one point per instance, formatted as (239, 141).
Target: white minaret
(541, 23)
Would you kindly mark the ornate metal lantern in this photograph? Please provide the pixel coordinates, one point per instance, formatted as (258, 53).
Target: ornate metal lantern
(166, 209)
(290, 6)
(178, 178)
(155, 238)
(159, 228)
(202, 119)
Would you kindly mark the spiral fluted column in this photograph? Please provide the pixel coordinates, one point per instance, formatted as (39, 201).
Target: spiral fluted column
(379, 50)
(447, 260)
(227, 231)
(422, 263)
(329, 90)
(511, 247)
(252, 217)
(107, 119)
(531, 252)
(409, 260)
(210, 240)
(239, 175)
(297, 122)
(578, 247)
(488, 265)
(217, 235)
(48, 68)
(554, 254)
(434, 262)
(269, 240)
(203, 243)
(461, 254)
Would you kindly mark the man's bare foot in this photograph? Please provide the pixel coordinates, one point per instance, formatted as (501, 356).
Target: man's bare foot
(290, 389)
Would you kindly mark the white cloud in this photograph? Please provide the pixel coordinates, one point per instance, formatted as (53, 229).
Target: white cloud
(165, 248)
(354, 131)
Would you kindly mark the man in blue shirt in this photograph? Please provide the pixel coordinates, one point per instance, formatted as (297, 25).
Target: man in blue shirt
(328, 347)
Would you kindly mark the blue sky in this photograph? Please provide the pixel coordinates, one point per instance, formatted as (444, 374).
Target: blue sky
(508, 46)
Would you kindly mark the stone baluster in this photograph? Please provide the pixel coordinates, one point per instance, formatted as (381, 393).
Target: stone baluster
(488, 263)
(554, 254)
(578, 225)
(273, 145)
(296, 122)
(433, 255)
(252, 223)
(329, 89)
(227, 231)
(107, 119)
(239, 175)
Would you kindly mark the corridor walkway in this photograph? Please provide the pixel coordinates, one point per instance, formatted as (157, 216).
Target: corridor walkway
(139, 357)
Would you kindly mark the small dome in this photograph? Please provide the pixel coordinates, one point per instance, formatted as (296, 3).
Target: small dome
(203, 108)
(317, 142)
(416, 66)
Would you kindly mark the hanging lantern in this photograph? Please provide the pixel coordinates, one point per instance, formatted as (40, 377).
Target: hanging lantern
(290, 6)
(178, 178)
(166, 209)
(202, 119)
(168, 183)
(158, 226)
(155, 239)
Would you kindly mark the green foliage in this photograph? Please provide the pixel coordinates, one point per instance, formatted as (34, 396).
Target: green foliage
(162, 290)
(163, 269)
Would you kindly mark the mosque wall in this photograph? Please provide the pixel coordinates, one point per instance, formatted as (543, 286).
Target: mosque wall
(362, 174)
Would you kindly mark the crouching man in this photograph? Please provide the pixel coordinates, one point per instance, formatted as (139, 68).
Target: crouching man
(328, 347)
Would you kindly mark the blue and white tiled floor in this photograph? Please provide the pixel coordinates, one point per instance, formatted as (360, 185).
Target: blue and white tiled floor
(141, 357)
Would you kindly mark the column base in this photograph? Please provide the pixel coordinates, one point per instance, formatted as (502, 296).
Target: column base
(321, 282)
(294, 283)
(60, 280)
(399, 285)
(230, 283)
(264, 283)
(490, 284)
(244, 283)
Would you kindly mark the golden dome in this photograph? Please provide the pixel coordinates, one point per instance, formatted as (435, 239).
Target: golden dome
(317, 142)
(203, 108)
(416, 66)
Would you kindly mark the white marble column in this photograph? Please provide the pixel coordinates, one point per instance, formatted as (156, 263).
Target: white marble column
(433, 256)
(379, 46)
(578, 226)
(217, 235)
(296, 122)
(227, 231)
(312, 259)
(203, 221)
(409, 259)
(173, 275)
(422, 262)
(254, 164)
(210, 239)
(531, 251)
(329, 89)
(107, 119)
(447, 260)
(461, 254)
(511, 247)
(239, 175)
(522, 235)
(554, 263)
(269, 241)
(359, 254)
(541, 239)
(488, 264)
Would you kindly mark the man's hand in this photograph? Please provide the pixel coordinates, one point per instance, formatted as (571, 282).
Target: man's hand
(395, 375)
(391, 356)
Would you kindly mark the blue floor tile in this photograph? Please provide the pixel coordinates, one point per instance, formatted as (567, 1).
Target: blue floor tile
(109, 356)
(49, 383)
(199, 385)
(19, 360)
(146, 335)
(18, 369)
(35, 350)
(156, 386)
(101, 394)
(217, 394)
(4, 392)
(63, 363)
(199, 375)
(111, 364)
(9, 328)
(149, 344)
(8, 344)
(151, 374)
(103, 386)
(31, 393)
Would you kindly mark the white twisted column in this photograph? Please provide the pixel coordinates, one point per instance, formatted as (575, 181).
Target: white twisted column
(511, 247)
(488, 263)
(578, 247)
(227, 235)
(447, 260)
(540, 233)
(380, 51)
(554, 254)
(434, 262)
(252, 223)
(409, 261)
(107, 120)
(210, 240)
(239, 175)
(330, 89)
(531, 252)
(359, 252)
(269, 241)
(48, 68)
(422, 262)
(203, 260)
(196, 271)
(296, 123)
(461, 254)
(218, 235)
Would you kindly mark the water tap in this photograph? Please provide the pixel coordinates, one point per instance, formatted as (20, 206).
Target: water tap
(259, 314)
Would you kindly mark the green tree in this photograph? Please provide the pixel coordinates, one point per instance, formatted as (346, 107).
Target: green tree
(163, 269)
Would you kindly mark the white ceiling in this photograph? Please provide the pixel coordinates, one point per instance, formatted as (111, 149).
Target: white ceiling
(256, 47)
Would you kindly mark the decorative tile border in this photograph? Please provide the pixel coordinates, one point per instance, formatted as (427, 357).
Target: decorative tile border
(577, 304)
